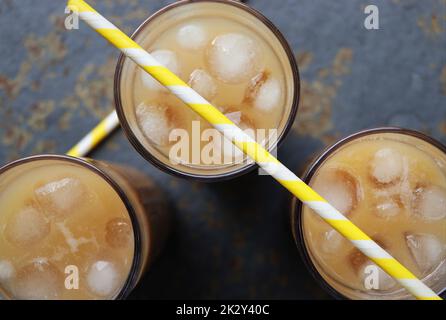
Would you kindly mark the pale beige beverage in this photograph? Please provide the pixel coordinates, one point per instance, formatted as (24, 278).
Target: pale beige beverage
(393, 186)
(69, 230)
(231, 56)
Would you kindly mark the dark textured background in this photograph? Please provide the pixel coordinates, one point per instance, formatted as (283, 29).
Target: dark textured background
(231, 239)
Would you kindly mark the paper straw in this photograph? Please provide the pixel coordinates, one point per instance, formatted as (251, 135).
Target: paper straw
(245, 143)
(99, 133)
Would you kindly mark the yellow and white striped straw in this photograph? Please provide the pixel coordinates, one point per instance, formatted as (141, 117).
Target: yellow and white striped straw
(245, 143)
(92, 139)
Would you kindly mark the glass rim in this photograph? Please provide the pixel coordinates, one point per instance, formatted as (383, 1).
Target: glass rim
(247, 167)
(296, 206)
(132, 277)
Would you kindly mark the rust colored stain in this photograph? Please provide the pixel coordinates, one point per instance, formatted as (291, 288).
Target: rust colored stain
(20, 130)
(42, 52)
(92, 94)
(431, 26)
(45, 146)
(15, 136)
(47, 50)
(443, 80)
(315, 111)
(442, 127)
(94, 86)
(314, 115)
(17, 139)
(341, 62)
(304, 60)
(38, 114)
(13, 86)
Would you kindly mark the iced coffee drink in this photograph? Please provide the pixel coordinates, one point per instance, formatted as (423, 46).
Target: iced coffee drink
(235, 59)
(72, 229)
(392, 184)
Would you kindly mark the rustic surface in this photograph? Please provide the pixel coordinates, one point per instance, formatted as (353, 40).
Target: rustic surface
(231, 239)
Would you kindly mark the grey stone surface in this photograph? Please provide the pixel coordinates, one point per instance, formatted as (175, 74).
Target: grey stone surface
(231, 239)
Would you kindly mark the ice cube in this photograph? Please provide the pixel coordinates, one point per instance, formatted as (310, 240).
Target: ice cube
(203, 83)
(192, 37)
(58, 199)
(268, 97)
(388, 207)
(168, 59)
(339, 188)
(427, 251)
(39, 280)
(103, 278)
(254, 84)
(332, 241)
(27, 227)
(155, 122)
(387, 166)
(7, 271)
(264, 92)
(118, 232)
(385, 282)
(233, 58)
(429, 202)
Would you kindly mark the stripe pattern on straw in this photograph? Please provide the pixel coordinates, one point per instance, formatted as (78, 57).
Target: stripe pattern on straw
(104, 128)
(265, 160)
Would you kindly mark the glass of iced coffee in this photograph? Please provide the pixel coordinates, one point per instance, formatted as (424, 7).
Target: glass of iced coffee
(232, 56)
(76, 229)
(391, 183)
